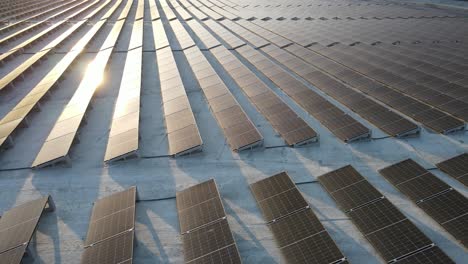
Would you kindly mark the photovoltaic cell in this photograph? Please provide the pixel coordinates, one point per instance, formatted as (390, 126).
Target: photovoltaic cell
(282, 204)
(446, 206)
(111, 225)
(113, 203)
(402, 171)
(457, 167)
(118, 249)
(201, 214)
(319, 248)
(375, 216)
(196, 194)
(340, 178)
(227, 255)
(205, 240)
(422, 186)
(271, 186)
(432, 255)
(13, 256)
(355, 195)
(296, 227)
(398, 240)
(17, 225)
(458, 228)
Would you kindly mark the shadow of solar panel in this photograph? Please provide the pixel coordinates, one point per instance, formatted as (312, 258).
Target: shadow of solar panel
(432, 255)
(458, 228)
(402, 171)
(446, 206)
(340, 178)
(196, 194)
(457, 167)
(113, 203)
(270, 186)
(355, 195)
(318, 248)
(227, 255)
(422, 187)
(375, 216)
(13, 256)
(282, 204)
(111, 225)
(207, 240)
(295, 227)
(118, 249)
(398, 239)
(201, 214)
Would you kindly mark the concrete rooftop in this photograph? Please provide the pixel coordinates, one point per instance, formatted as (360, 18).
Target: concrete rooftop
(60, 235)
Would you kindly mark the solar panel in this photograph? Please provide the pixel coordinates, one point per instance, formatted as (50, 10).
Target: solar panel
(13, 256)
(319, 248)
(201, 214)
(422, 186)
(295, 227)
(386, 228)
(18, 225)
(298, 232)
(375, 216)
(458, 228)
(457, 167)
(113, 203)
(207, 240)
(340, 178)
(110, 225)
(196, 194)
(117, 249)
(282, 204)
(432, 255)
(355, 195)
(398, 239)
(227, 255)
(111, 229)
(402, 171)
(272, 185)
(446, 206)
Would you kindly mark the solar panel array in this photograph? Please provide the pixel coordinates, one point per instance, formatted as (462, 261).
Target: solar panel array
(111, 229)
(298, 232)
(182, 129)
(206, 235)
(65, 131)
(444, 204)
(457, 167)
(124, 131)
(238, 129)
(393, 235)
(17, 227)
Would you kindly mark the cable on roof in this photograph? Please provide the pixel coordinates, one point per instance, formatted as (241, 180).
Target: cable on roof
(381, 137)
(306, 182)
(155, 199)
(279, 146)
(156, 157)
(15, 169)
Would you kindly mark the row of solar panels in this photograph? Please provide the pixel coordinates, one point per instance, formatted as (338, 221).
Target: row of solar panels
(15, 9)
(207, 238)
(124, 139)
